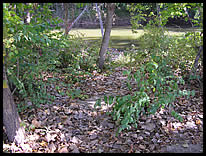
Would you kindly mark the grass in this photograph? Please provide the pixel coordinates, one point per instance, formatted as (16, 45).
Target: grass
(121, 37)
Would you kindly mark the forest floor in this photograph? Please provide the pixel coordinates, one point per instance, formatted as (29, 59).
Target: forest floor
(74, 126)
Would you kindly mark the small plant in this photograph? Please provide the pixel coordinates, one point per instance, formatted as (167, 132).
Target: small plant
(74, 93)
(156, 89)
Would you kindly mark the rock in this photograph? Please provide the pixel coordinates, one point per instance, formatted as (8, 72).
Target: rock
(81, 115)
(117, 146)
(201, 128)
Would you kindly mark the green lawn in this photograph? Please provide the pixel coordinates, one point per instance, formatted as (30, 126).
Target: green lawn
(121, 37)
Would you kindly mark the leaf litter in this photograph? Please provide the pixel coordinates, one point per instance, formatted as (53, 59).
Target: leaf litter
(74, 126)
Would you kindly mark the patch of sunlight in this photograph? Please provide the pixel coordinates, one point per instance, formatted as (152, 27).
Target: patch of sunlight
(122, 59)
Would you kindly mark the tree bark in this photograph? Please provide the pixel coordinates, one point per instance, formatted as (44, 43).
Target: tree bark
(66, 6)
(71, 25)
(108, 27)
(158, 14)
(197, 58)
(100, 20)
(27, 17)
(11, 119)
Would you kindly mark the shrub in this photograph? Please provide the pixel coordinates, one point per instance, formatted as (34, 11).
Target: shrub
(156, 88)
(78, 54)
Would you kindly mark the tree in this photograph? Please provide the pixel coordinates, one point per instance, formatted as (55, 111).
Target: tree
(27, 17)
(20, 39)
(11, 119)
(108, 27)
(100, 20)
(68, 27)
(66, 6)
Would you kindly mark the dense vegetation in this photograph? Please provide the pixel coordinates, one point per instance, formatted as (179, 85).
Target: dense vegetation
(37, 52)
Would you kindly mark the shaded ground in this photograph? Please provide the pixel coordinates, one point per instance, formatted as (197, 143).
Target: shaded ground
(75, 126)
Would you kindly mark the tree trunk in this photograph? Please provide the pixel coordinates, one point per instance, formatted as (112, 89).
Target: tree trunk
(71, 25)
(158, 14)
(66, 6)
(100, 20)
(197, 58)
(108, 27)
(11, 119)
(27, 18)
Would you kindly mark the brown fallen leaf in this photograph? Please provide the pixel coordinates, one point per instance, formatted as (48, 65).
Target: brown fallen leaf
(50, 137)
(198, 122)
(185, 145)
(36, 123)
(131, 149)
(74, 148)
(64, 150)
(52, 148)
(142, 147)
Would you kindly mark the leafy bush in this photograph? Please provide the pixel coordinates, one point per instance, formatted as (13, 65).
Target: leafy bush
(155, 89)
(28, 54)
(179, 52)
(78, 54)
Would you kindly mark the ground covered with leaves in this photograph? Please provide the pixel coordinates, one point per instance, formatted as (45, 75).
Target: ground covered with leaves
(71, 124)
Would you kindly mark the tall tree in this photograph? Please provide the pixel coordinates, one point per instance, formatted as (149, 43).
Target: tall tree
(100, 20)
(11, 118)
(66, 6)
(73, 22)
(108, 27)
(27, 17)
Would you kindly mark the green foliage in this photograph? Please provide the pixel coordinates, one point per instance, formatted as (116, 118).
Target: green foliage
(76, 93)
(156, 88)
(179, 52)
(147, 12)
(78, 54)
(28, 52)
(33, 48)
(157, 85)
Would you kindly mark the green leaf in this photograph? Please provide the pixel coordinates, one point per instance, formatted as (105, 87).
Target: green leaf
(98, 103)
(173, 113)
(126, 72)
(180, 118)
(111, 100)
(105, 99)
(193, 93)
